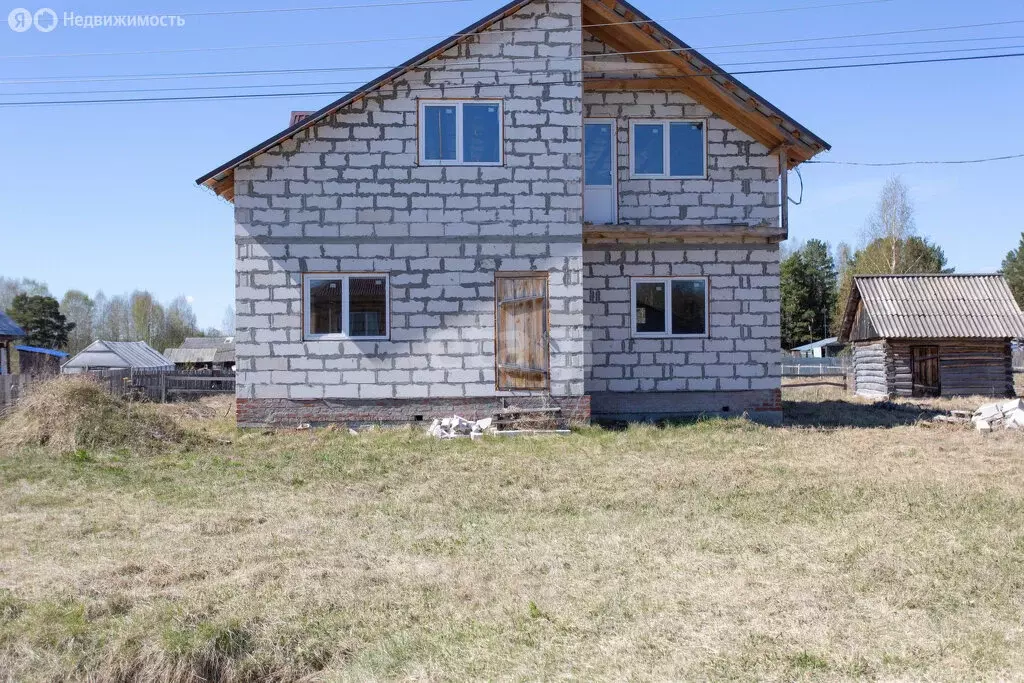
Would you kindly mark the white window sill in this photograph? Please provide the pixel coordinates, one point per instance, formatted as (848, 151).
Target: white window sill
(340, 337)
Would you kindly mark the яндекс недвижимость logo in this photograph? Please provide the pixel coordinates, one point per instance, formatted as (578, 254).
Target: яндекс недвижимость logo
(21, 20)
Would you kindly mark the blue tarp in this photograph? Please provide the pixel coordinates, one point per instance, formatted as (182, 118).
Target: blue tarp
(36, 349)
(8, 328)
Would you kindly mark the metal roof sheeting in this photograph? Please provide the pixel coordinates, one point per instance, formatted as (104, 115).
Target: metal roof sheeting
(203, 350)
(107, 354)
(822, 343)
(939, 306)
(9, 328)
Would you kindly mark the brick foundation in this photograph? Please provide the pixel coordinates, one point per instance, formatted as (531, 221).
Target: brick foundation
(282, 412)
(763, 405)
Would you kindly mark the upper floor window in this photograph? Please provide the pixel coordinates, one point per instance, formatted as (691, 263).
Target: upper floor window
(670, 307)
(668, 149)
(465, 132)
(351, 306)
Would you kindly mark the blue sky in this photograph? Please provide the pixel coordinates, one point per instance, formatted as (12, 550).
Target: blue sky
(103, 197)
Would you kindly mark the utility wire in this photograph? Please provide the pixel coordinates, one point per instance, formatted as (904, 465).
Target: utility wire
(918, 163)
(448, 64)
(419, 2)
(369, 5)
(493, 31)
(547, 60)
(456, 86)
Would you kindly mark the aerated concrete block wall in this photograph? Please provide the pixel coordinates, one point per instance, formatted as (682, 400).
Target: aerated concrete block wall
(736, 368)
(349, 195)
(742, 184)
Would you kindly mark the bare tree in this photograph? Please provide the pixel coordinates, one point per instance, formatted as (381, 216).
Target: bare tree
(228, 323)
(891, 225)
(12, 287)
(79, 309)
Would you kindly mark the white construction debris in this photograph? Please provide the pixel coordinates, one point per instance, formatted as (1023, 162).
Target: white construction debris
(1006, 415)
(457, 427)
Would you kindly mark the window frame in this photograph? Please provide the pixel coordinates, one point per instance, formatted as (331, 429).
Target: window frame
(344, 277)
(667, 281)
(460, 151)
(666, 125)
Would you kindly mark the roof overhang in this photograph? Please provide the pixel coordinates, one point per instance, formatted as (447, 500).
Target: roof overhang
(623, 28)
(681, 68)
(849, 313)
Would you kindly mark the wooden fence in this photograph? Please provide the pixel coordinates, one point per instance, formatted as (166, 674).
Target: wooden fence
(160, 387)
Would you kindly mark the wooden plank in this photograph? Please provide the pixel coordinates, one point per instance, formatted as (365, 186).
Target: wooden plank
(784, 190)
(625, 39)
(522, 358)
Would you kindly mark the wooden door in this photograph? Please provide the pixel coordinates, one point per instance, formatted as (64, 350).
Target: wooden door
(924, 372)
(521, 339)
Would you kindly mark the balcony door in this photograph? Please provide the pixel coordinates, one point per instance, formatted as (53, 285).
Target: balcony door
(600, 199)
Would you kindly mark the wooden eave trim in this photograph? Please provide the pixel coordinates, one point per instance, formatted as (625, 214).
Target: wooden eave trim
(850, 313)
(225, 187)
(736, 103)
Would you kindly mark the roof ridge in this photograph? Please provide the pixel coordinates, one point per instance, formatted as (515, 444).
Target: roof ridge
(902, 275)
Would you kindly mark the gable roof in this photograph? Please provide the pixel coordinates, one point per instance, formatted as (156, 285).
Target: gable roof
(624, 28)
(107, 354)
(935, 307)
(9, 328)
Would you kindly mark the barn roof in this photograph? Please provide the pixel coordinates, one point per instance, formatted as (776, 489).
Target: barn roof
(625, 29)
(9, 328)
(935, 307)
(203, 350)
(107, 354)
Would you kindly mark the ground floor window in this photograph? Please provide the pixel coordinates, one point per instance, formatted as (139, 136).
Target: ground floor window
(346, 306)
(670, 307)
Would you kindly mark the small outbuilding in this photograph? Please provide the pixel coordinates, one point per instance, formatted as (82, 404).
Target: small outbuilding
(932, 335)
(823, 348)
(107, 355)
(204, 353)
(9, 333)
(39, 362)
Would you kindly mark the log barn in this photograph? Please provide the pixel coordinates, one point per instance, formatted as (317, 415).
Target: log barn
(932, 335)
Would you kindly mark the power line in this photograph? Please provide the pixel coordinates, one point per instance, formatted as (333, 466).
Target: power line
(905, 43)
(876, 55)
(492, 30)
(271, 72)
(369, 5)
(435, 87)
(547, 60)
(919, 163)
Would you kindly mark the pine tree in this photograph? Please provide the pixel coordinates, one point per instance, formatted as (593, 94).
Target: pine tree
(1013, 270)
(808, 281)
(40, 317)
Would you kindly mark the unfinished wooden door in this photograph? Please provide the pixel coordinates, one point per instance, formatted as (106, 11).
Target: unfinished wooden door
(521, 339)
(924, 371)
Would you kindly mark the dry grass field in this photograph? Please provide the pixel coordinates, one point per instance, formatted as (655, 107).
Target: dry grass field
(870, 547)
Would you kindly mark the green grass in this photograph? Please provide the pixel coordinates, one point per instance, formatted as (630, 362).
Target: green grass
(715, 550)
